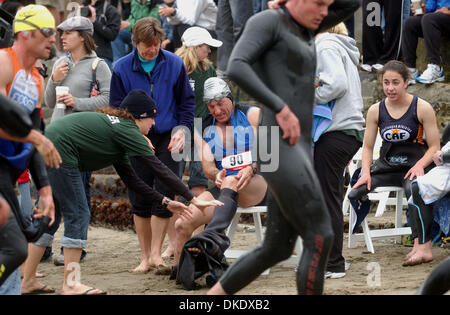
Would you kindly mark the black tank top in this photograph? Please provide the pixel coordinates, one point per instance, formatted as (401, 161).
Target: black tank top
(402, 138)
(404, 129)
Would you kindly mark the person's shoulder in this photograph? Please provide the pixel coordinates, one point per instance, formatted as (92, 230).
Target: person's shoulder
(171, 57)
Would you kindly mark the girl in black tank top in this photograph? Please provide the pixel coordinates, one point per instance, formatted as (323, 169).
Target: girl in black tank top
(402, 155)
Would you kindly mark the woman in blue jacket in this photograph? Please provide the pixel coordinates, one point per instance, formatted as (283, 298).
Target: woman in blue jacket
(163, 76)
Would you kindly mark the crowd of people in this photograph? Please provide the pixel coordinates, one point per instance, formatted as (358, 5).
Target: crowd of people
(131, 79)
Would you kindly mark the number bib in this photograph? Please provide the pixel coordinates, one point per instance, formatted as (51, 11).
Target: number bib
(237, 161)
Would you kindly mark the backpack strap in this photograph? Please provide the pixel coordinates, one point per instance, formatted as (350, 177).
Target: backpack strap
(94, 82)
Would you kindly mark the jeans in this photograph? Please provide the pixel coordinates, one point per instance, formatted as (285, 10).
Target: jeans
(70, 201)
(231, 18)
(11, 286)
(121, 45)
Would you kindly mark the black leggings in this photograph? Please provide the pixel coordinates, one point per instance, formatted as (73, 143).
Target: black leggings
(420, 214)
(295, 208)
(13, 248)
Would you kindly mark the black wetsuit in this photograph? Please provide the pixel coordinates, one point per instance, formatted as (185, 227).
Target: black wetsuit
(275, 62)
(438, 282)
(13, 243)
(401, 148)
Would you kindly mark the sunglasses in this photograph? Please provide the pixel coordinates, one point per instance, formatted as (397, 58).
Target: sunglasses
(46, 31)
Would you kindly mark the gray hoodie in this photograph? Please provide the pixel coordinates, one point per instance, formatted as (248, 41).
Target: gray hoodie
(79, 80)
(337, 60)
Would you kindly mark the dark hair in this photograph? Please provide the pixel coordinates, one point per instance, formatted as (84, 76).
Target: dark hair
(114, 111)
(147, 30)
(89, 43)
(397, 66)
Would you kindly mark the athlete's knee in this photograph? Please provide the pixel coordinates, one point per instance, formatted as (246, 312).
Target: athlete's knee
(183, 227)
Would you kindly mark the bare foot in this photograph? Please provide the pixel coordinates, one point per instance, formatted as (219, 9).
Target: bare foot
(423, 254)
(142, 268)
(417, 259)
(81, 289)
(155, 262)
(39, 275)
(168, 253)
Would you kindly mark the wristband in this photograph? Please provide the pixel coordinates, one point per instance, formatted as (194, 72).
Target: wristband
(174, 12)
(441, 158)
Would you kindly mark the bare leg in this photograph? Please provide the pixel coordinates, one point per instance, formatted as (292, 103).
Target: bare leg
(172, 235)
(72, 283)
(159, 229)
(144, 232)
(29, 282)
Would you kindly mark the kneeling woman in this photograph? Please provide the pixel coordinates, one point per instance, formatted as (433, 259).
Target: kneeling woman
(89, 141)
(402, 118)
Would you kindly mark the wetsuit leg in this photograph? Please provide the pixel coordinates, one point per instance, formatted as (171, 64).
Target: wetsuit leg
(377, 180)
(420, 214)
(296, 207)
(278, 244)
(438, 282)
(13, 248)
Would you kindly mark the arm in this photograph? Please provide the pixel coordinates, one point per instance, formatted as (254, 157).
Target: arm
(331, 73)
(427, 117)
(165, 175)
(117, 91)
(59, 73)
(189, 14)
(102, 99)
(110, 30)
(259, 36)
(370, 136)
(339, 11)
(185, 99)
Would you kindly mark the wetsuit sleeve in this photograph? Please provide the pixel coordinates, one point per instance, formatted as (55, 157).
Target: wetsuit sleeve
(38, 170)
(15, 120)
(133, 182)
(339, 11)
(259, 35)
(165, 175)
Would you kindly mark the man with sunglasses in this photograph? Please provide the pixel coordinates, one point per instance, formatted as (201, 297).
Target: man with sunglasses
(34, 34)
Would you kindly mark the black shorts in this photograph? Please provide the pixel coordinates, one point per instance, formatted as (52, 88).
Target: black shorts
(140, 206)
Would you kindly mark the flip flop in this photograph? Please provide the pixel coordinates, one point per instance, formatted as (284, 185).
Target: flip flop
(93, 289)
(39, 291)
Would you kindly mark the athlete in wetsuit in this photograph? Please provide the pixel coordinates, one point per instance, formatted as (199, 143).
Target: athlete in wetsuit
(275, 61)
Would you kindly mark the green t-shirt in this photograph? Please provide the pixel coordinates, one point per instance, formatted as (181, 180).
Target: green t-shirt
(91, 141)
(197, 80)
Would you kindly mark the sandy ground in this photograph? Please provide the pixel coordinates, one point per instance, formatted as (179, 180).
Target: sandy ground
(113, 253)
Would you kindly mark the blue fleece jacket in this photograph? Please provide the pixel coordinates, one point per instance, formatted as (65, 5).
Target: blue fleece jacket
(433, 5)
(168, 84)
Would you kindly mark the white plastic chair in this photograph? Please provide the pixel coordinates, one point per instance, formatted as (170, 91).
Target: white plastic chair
(256, 212)
(380, 194)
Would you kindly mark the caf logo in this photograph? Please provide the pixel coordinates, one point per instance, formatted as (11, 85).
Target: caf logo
(395, 135)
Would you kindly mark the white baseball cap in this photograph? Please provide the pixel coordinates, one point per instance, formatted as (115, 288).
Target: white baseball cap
(195, 36)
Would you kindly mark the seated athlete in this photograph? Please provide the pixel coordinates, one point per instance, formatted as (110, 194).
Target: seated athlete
(226, 143)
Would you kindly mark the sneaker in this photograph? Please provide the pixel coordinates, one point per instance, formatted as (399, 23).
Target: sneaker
(366, 67)
(59, 260)
(377, 66)
(433, 73)
(334, 275)
(347, 265)
(414, 73)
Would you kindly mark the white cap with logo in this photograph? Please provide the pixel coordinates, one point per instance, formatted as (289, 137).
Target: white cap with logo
(195, 36)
